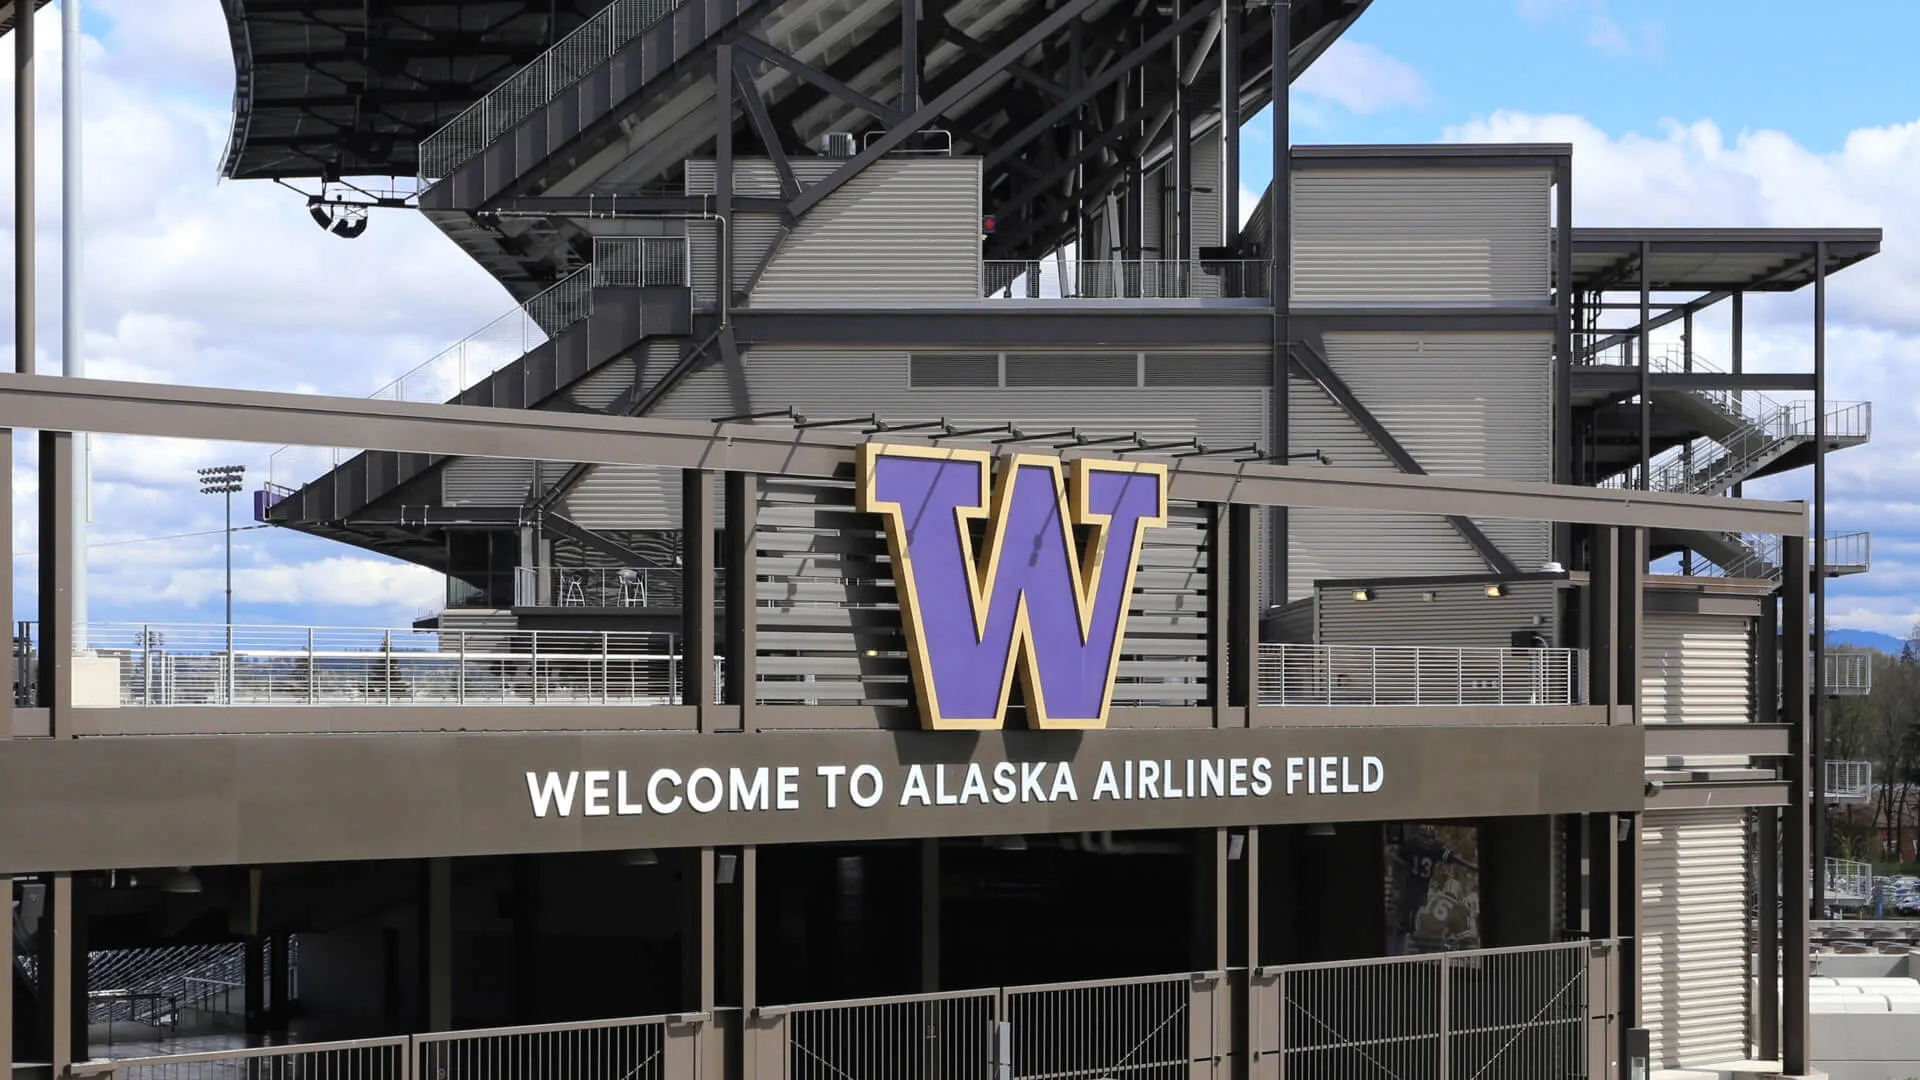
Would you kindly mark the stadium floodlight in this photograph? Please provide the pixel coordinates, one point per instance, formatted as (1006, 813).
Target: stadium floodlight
(227, 480)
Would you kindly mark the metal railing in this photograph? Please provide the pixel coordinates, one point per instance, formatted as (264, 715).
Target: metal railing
(629, 261)
(1496, 1014)
(186, 664)
(1849, 781)
(1762, 555)
(1849, 881)
(570, 59)
(918, 1035)
(1295, 674)
(642, 261)
(599, 586)
(354, 1059)
(1111, 279)
(1848, 674)
(626, 1049)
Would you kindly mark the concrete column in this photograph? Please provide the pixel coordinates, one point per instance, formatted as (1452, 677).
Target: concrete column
(929, 915)
(696, 593)
(437, 927)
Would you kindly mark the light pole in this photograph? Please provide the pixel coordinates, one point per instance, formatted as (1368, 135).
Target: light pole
(226, 480)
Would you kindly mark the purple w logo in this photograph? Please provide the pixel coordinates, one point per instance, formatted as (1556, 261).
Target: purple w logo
(1032, 601)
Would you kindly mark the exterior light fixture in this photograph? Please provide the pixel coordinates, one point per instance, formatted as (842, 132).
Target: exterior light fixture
(1007, 843)
(642, 857)
(1496, 591)
(1321, 829)
(1429, 597)
(1363, 594)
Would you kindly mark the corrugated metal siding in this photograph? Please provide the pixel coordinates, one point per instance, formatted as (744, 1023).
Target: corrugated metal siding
(1695, 965)
(1451, 236)
(1463, 404)
(643, 497)
(1323, 543)
(1206, 193)
(471, 481)
(754, 234)
(1459, 615)
(599, 389)
(907, 229)
(828, 617)
(1697, 669)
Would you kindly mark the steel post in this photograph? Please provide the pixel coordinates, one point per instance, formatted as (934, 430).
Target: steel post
(1280, 283)
(1817, 716)
(23, 200)
(1796, 855)
(72, 324)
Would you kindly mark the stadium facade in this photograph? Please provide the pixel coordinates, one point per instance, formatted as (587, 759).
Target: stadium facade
(921, 604)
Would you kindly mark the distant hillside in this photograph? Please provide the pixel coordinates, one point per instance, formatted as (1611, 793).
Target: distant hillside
(1866, 639)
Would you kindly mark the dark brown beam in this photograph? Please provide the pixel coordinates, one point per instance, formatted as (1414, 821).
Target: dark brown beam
(67, 404)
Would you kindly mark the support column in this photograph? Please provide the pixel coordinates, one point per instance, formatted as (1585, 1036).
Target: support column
(723, 177)
(1626, 915)
(1221, 584)
(1230, 16)
(280, 983)
(1602, 610)
(23, 200)
(1182, 242)
(253, 987)
(1630, 592)
(1795, 851)
(1767, 934)
(1817, 727)
(6, 732)
(1739, 342)
(1563, 434)
(929, 915)
(909, 56)
(1243, 613)
(1646, 382)
(56, 580)
(1280, 284)
(1247, 996)
(439, 935)
(1211, 900)
(696, 594)
(66, 1033)
(699, 940)
(748, 880)
(739, 674)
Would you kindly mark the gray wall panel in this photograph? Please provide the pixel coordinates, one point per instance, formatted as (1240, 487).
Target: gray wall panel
(1449, 236)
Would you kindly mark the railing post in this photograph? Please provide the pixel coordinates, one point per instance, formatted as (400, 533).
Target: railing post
(460, 669)
(1441, 1047)
(533, 666)
(386, 666)
(146, 665)
(313, 670)
(606, 670)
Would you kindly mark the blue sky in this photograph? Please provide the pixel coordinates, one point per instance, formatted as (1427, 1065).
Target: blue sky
(1710, 112)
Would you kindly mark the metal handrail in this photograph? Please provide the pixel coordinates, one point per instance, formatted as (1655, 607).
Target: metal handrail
(629, 261)
(593, 43)
(1849, 781)
(1363, 675)
(171, 1061)
(1762, 555)
(1849, 879)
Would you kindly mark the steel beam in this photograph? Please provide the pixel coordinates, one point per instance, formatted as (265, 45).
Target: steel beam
(1817, 729)
(820, 79)
(23, 200)
(1311, 358)
(1280, 283)
(959, 91)
(763, 127)
(1152, 45)
(312, 420)
(585, 537)
(1796, 853)
(910, 58)
(974, 47)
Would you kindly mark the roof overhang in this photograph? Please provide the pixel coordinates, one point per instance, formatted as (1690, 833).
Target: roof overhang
(1714, 260)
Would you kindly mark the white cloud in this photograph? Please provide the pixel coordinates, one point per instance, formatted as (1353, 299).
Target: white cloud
(1693, 174)
(189, 280)
(1598, 26)
(1361, 79)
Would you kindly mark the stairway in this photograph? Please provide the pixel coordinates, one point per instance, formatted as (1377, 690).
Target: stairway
(633, 290)
(1746, 435)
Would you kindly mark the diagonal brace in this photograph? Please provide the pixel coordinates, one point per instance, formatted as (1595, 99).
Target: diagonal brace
(763, 126)
(1312, 361)
(819, 78)
(961, 89)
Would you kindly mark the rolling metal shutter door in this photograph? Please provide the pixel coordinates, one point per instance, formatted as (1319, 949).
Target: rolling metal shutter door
(1694, 955)
(906, 230)
(1447, 236)
(1697, 669)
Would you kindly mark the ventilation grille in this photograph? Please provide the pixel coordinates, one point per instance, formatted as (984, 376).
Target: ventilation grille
(951, 371)
(1028, 371)
(1177, 370)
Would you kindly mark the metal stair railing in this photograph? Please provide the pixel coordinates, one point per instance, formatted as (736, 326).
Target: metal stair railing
(618, 261)
(1762, 558)
(593, 43)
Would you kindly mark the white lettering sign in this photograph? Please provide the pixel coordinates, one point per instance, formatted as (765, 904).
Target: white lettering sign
(864, 786)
